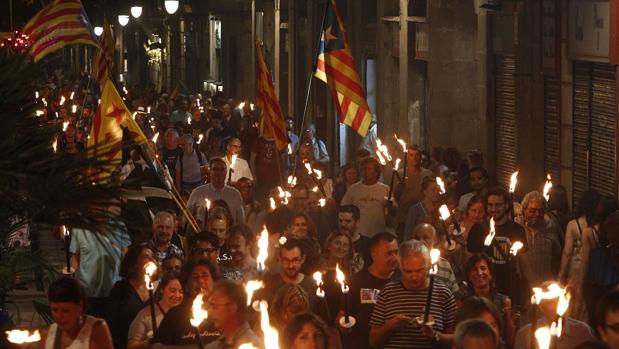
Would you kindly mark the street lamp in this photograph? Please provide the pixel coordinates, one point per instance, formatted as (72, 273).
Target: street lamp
(171, 6)
(98, 31)
(123, 20)
(136, 11)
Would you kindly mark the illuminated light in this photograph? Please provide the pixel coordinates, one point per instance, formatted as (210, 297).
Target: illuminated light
(272, 202)
(72, 95)
(123, 20)
(271, 337)
(74, 108)
(171, 6)
(381, 158)
(36, 94)
(315, 189)
(542, 335)
(136, 11)
(241, 105)
(189, 120)
(308, 166)
(155, 137)
(318, 174)
(200, 137)
(233, 160)
(292, 181)
(282, 240)
(64, 126)
(435, 255)
(444, 212)
(148, 109)
(513, 182)
(39, 112)
(62, 100)
(207, 202)
(44, 101)
(322, 202)
(149, 271)
(263, 249)
(547, 187)
(55, 145)
(339, 275)
(98, 31)
(250, 287)
(397, 164)
(22, 336)
(198, 313)
(490, 236)
(289, 148)
(247, 346)
(516, 246)
(441, 184)
(318, 278)
(402, 143)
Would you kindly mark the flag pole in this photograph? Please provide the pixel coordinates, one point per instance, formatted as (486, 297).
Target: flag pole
(309, 84)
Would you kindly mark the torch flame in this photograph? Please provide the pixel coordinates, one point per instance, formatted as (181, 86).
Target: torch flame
(44, 101)
(252, 286)
(273, 206)
(547, 187)
(148, 109)
(198, 314)
(402, 143)
(444, 211)
(64, 126)
(282, 240)
(55, 145)
(318, 278)
(241, 105)
(149, 271)
(233, 160)
(271, 337)
(155, 137)
(315, 189)
(22, 336)
(74, 108)
(308, 167)
(397, 164)
(383, 149)
(39, 112)
(65, 231)
(62, 99)
(339, 275)
(516, 246)
(289, 149)
(263, 249)
(72, 94)
(381, 158)
(189, 120)
(292, 181)
(208, 204)
(282, 193)
(36, 94)
(318, 174)
(435, 255)
(247, 346)
(513, 182)
(322, 202)
(200, 137)
(441, 184)
(542, 335)
(490, 235)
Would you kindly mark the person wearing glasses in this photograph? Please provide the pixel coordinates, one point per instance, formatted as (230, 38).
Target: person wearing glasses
(227, 311)
(607, 319)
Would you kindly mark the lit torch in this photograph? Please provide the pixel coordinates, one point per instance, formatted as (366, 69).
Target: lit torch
(263, 250)
(230, 170)
(547, 187)
(318, 278)
(22, 336)
(491, 233)
(347, 321)
(64, 126)
(62, 100)
(516, 246)
(445, 214)
(513, 182)
(72, 95)
(149, 271)
(74, 108)
(441, 184)
(434, 258)
(200, 137)
(543, 337)
(66, 233)
(250, 287)
(198, 315)
(271, 337)
(155, 137)
(55, 145)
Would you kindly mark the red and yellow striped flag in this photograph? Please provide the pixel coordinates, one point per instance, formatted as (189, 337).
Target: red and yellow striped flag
(336, 67)
(275, 124)
(106, 135)
(104, 61)
(61, 23)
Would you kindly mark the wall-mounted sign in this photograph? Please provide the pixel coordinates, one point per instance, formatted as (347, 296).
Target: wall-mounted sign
(588, 30)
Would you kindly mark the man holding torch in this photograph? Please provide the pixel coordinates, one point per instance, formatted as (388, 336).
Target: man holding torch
(393, 322)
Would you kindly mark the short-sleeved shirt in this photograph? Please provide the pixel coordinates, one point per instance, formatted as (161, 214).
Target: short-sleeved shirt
(170, 157)
(160, 256)
(100, 256)
(143, 324)
(364, 291)
(266, 162)
(394, 299)
(229, 194)
(371, 200)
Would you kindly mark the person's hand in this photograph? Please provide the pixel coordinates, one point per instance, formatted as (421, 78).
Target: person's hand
(428, 331)
(397, 322)
(507, 306)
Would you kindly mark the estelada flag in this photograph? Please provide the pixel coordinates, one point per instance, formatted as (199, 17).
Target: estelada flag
(104, 61)
(274, 124)
(61, 23)
(336, 67)
(106, 136)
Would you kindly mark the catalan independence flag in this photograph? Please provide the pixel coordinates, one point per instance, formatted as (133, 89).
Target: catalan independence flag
(104, 61)
(272, 117)
(61, 23)
(336, 67)
(106, 136)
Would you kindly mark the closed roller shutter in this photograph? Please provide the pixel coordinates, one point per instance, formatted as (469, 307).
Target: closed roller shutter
(552, 124)
(595, 124)
(505, 117)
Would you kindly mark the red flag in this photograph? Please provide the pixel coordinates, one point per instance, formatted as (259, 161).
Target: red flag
(104, 61)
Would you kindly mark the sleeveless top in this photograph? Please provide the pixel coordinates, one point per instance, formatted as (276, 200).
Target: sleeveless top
(82, 341)
(576, 260)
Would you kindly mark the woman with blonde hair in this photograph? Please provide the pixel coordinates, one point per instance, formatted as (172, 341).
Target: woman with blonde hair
(289, 301)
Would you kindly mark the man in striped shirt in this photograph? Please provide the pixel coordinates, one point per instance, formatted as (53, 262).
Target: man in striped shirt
(394, 319)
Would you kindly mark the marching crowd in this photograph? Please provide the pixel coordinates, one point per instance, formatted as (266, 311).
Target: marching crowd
(378, 232)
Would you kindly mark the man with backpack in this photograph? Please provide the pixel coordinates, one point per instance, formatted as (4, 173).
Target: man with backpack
(188, 173)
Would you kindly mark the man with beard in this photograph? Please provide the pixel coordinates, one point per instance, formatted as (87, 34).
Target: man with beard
(291, 257)
(348, 222)
(163, 229)
(365, 287)
(408, 192)
(509, 270)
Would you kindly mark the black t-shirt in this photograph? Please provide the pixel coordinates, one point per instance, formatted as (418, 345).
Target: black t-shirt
(362, 247)
(273, 282)
(175, 328)
(506, 279)
(124, 305)
(169, 157)
(364, 290)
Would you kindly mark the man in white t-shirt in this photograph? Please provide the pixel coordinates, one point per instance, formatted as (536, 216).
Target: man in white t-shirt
(240, 168)
(370, 196)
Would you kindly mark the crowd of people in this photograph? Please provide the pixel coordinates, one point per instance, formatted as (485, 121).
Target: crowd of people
(378, 232)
